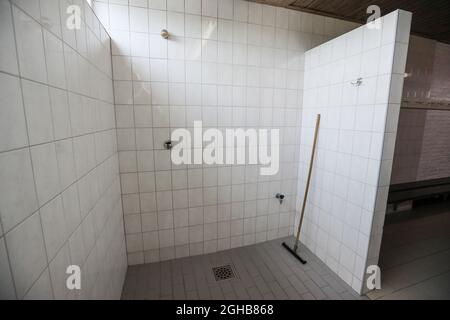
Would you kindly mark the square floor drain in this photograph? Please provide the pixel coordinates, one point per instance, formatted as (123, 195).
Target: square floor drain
(224, 272)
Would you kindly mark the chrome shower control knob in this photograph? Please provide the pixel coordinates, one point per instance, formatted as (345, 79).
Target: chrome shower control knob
(168, 144)
(165, 34)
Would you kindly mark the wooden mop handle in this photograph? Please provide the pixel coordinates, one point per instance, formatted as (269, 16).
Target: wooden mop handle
(316, 131)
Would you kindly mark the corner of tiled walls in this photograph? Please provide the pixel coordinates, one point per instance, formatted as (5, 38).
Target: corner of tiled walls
(60, 201)
(230, 63)
(346, 206)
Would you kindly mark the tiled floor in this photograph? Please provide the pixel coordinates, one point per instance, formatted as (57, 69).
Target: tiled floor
(415, 264)
(265, 271)
(415, 256)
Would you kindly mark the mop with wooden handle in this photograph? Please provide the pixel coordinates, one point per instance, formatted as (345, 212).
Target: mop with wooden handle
(294, 250)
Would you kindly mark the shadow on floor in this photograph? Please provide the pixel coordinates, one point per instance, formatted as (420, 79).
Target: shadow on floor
(415, 255)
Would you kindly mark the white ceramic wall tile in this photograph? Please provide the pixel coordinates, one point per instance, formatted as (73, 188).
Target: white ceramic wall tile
(53, 191)
(52, 15)
(175, 5)
(26, 253)
(119, 17)
(54, 57)
(18, 195)
(53, 226)
(122, 67)
(6, 280)
(157, 4)
(60, 113)
(8, 58)
(138, 19)
(41, 289)
(38, 112)
(30, 47)
(47, 178)
(13, 132)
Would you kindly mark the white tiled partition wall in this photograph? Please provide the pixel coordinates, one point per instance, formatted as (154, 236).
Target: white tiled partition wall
(346, 205)
(227, 63)
(60, 201)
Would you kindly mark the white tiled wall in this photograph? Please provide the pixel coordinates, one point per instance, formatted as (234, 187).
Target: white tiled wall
(346, 205)
(60, 198)
(230, 64)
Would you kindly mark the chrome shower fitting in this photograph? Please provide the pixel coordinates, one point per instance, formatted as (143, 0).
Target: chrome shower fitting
(165, 34)
(280, 197)
(357, 83)
(168, 144)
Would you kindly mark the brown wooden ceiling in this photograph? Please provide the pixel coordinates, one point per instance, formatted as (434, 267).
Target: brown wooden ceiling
(431, 18)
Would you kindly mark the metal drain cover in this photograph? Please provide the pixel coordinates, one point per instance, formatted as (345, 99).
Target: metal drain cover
(224, 272)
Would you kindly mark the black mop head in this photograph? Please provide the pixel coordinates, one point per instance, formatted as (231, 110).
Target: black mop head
(293, 253)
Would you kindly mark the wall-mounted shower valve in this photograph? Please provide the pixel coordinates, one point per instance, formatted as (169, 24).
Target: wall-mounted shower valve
(165, 34)
(168, 144)
(357, 83)
(280, 197)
